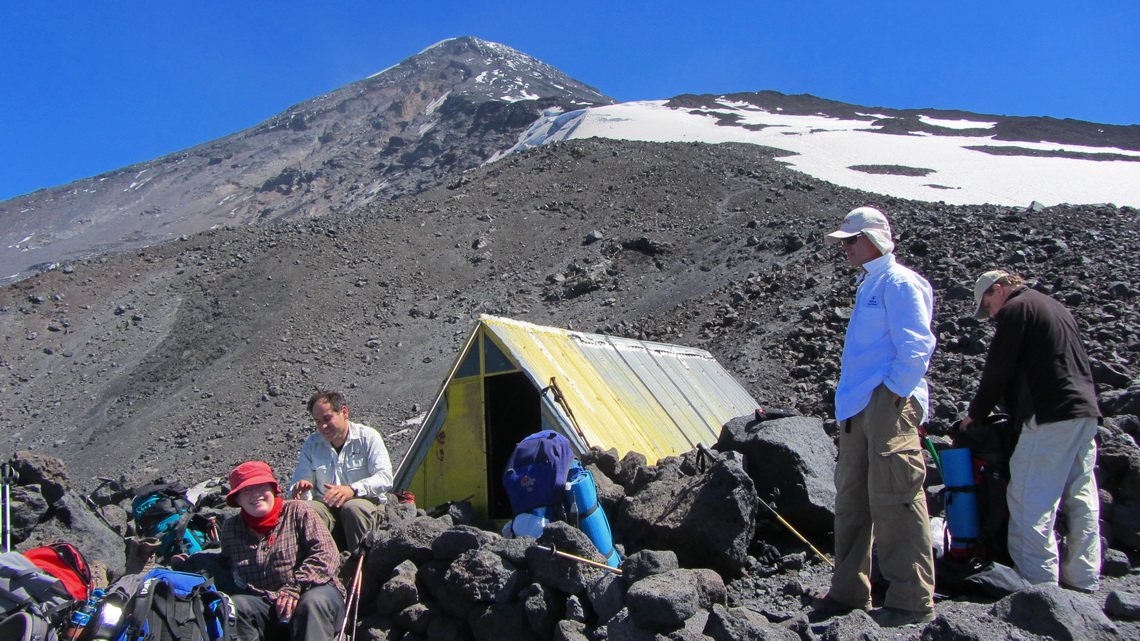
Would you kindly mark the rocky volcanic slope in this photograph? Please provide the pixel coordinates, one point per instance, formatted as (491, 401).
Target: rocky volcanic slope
(186, 358)
(440, 112)
(189, 357)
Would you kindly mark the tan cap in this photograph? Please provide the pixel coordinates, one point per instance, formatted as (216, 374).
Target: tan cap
(984, 282)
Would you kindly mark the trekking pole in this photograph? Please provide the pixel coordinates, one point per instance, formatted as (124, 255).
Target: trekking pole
(579, 559)
(8, 478)
(793, 530)
(353, 599)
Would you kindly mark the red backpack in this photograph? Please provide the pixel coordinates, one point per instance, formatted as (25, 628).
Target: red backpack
(66, 563)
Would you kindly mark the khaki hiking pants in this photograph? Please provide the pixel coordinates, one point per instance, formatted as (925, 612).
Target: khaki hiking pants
(357, 517)
(879, 499)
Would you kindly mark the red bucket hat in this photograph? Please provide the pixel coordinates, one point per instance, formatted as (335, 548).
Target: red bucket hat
(247, 474)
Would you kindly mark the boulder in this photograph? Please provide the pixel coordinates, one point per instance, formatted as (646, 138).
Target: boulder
(1126, 524)
(72, 521)
(27, 507)
(500, 621)
(856, 626)
(409, 540)
(1054, 612)
(570, 631)
(418, 617)
(960, 629)
(1114, 562)
(543, 607)
(644, 563)
(482, 576)
(607, 596)
(610, 494)
(710, 587)
(732, 624)
(1125, 401)
(400, 591)
(632, 472)
(1123, 605)
(45, 471)
(559, 572)
(453, 542)
(606, 462)
(792, 462)
(430, 576)
(513, 550)
(576, 609)
(662, 602)
(676, 515)
(622, 627)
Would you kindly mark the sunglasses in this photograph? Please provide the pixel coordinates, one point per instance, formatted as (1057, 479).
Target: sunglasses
(851, 240)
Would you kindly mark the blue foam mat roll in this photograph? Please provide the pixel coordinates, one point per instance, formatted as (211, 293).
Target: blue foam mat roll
(592, 519)
(961, 504)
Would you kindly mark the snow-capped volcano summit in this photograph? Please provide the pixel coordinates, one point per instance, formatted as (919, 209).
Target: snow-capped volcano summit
(465, 102)
(497, 72)
(436, 114)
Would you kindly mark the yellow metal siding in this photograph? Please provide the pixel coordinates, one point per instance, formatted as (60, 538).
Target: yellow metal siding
(455, 466)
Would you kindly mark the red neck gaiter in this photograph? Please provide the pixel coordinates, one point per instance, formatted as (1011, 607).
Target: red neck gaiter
(263, 524)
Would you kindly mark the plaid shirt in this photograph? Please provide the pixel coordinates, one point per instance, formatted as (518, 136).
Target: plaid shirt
(297, 554)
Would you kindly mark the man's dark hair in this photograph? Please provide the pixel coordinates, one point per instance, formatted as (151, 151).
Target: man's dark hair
(334, 399)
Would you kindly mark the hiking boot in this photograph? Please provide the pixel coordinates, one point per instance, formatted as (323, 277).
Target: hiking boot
(1074, 588)
(888, 617)
(827, 605)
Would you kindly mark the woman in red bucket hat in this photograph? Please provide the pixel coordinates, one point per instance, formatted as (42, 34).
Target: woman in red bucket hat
(283, 559)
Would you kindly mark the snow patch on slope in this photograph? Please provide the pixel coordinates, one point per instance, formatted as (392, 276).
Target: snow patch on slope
(828, 148)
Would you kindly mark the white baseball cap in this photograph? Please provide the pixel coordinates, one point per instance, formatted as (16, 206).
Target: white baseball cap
(869, 222)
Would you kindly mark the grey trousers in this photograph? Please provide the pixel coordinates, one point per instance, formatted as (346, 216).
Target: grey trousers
(318, 615)
(879, 500)
(1052, 467)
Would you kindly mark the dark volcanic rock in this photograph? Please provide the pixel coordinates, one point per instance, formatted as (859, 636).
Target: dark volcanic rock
(675, 515)
(1056, 613)
(1123, 604)
(569, 576)
(49, 473)
(731, 624)
(792, 462)
(483, 576)
(663, 602)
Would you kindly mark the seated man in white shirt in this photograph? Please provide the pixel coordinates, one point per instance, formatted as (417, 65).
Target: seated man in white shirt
(343, 471)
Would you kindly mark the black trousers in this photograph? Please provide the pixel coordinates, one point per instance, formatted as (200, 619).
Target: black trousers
(318, 615)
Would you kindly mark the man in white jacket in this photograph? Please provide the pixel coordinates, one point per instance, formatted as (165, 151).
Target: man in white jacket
(343, 470)
(881, 400)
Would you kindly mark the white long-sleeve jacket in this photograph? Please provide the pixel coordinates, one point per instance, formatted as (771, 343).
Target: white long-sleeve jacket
(888, 338)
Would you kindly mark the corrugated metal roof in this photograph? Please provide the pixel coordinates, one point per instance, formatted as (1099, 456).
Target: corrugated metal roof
(654, 398)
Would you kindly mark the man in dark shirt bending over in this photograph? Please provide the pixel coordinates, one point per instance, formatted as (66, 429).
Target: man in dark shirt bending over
(1038, 367)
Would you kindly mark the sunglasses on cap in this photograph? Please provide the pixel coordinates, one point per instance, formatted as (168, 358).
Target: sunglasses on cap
(851, 240)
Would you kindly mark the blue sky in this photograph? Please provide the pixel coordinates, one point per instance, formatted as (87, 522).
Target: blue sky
(88, 87)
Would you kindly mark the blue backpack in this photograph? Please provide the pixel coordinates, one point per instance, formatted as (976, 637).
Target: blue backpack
(535, 477)
(168, 606)
(544, 478)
